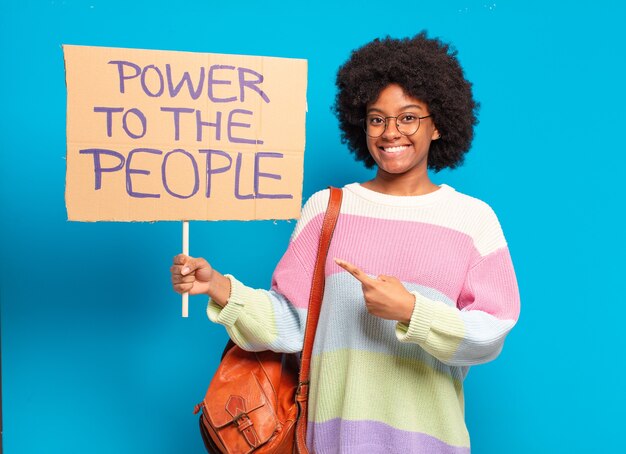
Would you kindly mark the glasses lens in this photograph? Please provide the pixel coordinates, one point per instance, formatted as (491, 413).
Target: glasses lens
(374, 125)
(408, 124)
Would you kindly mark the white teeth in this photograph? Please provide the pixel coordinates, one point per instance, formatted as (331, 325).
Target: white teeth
(394, 149)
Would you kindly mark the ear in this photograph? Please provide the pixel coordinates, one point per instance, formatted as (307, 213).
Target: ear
(436, 134)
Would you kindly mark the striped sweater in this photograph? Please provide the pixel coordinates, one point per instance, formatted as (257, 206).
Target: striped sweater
(380, 386)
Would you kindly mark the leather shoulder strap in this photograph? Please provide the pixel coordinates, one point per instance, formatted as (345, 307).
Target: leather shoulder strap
(313, 314)
(317, 285)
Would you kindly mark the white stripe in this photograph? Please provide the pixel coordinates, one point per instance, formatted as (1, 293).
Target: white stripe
(449, 209)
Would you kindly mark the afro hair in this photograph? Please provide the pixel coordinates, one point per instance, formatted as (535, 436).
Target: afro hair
(426, 69)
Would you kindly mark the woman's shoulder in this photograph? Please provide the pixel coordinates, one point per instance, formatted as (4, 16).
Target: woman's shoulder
(316, 204)
(478, 219)
(472, 205)
(312, 212)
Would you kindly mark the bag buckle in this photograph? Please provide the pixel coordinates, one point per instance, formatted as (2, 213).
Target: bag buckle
(246, 428)
(243, 421)
(303, 389)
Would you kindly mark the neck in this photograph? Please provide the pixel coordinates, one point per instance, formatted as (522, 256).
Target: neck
(402, 185)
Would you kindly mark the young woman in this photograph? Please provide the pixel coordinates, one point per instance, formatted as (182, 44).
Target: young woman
(419, 280)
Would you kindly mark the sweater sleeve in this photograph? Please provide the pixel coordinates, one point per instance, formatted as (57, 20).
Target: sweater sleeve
(274, 319)
(487, 308)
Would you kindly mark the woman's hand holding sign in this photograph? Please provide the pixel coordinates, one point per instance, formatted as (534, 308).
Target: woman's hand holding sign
(385, 296)
(197, 276)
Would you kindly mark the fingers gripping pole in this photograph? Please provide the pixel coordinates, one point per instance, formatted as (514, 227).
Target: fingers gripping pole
(186, 252)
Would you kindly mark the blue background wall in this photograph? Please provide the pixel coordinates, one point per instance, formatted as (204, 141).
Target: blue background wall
(95, 355)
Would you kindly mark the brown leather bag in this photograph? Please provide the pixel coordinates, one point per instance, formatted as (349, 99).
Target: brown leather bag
(257, 401)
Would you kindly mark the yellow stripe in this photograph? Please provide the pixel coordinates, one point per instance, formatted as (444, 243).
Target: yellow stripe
(435, 326)
(403, 393)
(253, 326)
(446, 332)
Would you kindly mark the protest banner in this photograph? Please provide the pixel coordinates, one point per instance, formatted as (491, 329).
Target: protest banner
(160, 135)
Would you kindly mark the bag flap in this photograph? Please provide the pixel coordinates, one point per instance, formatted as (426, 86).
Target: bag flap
(235, 391)
(230, 400)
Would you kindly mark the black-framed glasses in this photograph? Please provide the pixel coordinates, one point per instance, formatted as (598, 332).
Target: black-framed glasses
(406, 123)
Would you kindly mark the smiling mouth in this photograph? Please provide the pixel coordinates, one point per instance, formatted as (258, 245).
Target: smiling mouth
(396, 149)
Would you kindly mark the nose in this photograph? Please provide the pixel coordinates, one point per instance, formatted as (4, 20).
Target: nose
(391, 131)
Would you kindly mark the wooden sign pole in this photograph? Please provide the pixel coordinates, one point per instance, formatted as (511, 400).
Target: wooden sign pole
(186, 252)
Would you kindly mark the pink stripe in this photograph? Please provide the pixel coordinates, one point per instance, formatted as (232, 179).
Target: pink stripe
(293, 274)
(491, 287)
(420, 253)
(425, 254)
(292, 281)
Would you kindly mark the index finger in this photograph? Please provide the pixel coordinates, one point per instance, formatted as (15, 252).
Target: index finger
(181, 259)
(354, 270)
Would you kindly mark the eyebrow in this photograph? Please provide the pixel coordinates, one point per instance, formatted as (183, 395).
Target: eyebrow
(415, 106)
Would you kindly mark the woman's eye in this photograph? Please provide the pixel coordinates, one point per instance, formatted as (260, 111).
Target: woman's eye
(376, 121)
(408, 118)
